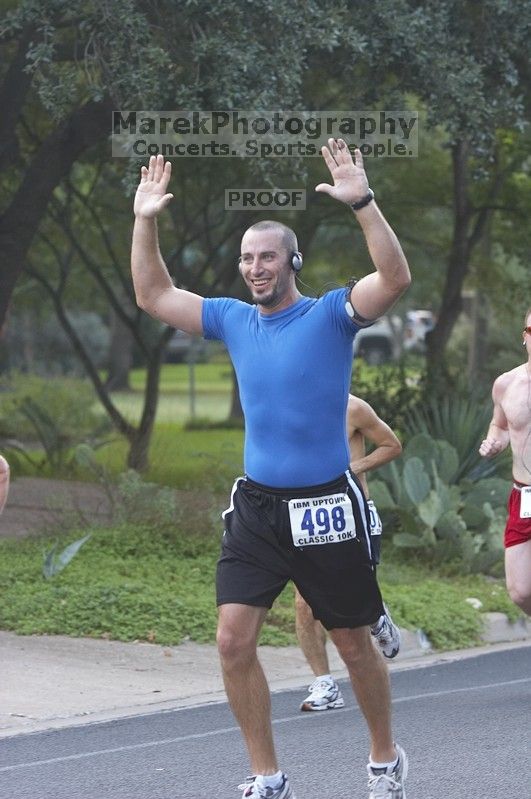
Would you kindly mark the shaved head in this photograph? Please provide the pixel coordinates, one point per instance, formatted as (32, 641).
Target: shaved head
(289, 239)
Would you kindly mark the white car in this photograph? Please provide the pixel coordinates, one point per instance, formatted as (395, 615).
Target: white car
(418, 323)
(184, 348)
(381, 342)
(389, 337)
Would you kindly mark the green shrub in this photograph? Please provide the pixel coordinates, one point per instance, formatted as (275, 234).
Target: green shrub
(391, 389)
(53, 414)
(148, 504)
(136, 583)
(462, 422)
(135, 501)
(448, 519)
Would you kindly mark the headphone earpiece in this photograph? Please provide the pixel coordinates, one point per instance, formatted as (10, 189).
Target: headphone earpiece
(296, 261)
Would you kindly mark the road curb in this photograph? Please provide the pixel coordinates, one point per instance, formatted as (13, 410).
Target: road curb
(499, 628)
(100, 680)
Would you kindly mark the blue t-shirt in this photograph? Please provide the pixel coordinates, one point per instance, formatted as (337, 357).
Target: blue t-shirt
(294, 370)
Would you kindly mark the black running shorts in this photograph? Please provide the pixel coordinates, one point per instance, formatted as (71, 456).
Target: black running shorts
(316, 536)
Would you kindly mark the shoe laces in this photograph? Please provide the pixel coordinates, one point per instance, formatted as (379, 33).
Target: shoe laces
(249, 783)
(321, 687)
(383, 786)
(254, 791)
(384, 631)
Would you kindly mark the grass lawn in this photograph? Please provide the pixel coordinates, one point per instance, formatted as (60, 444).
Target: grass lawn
(212, 383)
(176, 406)
(156, 583)
(134, 583)
(204, 459)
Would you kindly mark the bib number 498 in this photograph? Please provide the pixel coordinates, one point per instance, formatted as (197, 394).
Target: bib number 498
(324, 520)
(321, 520)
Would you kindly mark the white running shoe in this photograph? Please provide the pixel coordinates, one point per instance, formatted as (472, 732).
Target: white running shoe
(254, 788)
(389, 783)
(387, 635)
(324, 695)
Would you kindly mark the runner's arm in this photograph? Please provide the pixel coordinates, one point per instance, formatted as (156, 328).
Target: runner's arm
(376, 293)
(154, 289)
(361, 417)
(4, 482)
(498, 433)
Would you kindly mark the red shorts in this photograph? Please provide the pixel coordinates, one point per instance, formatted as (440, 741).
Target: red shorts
(517, 530)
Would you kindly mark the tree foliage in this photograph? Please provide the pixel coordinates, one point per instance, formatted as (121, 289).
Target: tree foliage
(65, 216)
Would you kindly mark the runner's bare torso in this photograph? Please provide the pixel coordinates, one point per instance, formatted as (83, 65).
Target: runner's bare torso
(512, 400)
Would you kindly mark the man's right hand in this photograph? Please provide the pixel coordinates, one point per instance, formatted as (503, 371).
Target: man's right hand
(490, 447)
(151, 197)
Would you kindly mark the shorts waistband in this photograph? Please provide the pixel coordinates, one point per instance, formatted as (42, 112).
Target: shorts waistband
(518, 486)
(339, 484)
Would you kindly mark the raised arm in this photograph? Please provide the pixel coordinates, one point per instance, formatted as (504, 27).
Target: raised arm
(374, 294)
(362, 419)
(498, 433)
(154, 289)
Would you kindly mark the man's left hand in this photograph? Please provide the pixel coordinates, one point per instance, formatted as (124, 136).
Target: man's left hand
(350, 181)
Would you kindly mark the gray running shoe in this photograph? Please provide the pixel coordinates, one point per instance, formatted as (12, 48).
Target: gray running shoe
(387, 635)
(389, 783)
(253, 788)
(324, 695)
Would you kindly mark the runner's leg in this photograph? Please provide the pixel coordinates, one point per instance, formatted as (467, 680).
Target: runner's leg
(245, 682)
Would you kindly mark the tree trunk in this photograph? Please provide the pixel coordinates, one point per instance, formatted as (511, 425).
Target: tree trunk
(470, 227)
(477, 352)
(50, 163)
(13, 92)
(140, 438)
(458, 266)
(138, 455)
(4, 350)
(236, 411)
(120, 357)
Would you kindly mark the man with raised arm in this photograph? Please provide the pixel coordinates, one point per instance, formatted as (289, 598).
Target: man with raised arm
(298, 513)
(511, 426)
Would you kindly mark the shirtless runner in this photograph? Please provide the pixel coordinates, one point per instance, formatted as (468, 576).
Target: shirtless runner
(511, 425)
(362, 424)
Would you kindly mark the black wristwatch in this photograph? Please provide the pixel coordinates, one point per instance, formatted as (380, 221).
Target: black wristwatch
(369, 197)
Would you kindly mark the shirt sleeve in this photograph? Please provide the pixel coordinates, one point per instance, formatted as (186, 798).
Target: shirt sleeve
(215, 311)
(336, 302)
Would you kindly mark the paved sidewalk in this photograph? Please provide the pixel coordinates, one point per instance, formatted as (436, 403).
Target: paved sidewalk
(55, 681)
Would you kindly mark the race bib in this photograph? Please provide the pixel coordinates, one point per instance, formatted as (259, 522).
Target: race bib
(525, 503)
(375, 523)
(321, 520)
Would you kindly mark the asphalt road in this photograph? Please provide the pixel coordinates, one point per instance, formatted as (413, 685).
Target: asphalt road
(465, 725)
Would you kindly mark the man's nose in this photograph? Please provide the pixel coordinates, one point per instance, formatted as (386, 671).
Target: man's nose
(256, 265)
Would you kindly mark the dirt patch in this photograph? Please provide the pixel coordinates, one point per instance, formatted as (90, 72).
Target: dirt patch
(38, 505)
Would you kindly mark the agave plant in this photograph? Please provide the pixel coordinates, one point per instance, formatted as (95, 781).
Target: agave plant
(462, 422)
(419, 495)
